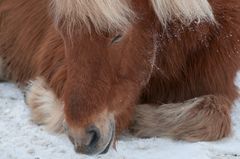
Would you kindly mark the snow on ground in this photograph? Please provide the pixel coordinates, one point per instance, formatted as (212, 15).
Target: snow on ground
(21, 139)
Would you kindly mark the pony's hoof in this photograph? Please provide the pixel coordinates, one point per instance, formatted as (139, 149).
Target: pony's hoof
(46, 108)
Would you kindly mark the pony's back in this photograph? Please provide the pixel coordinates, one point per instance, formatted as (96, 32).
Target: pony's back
(24, 26)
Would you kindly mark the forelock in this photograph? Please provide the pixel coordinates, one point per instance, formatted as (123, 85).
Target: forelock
(101, 14)
(186, 11)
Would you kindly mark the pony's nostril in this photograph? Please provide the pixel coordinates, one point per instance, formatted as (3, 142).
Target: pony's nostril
(94, 136)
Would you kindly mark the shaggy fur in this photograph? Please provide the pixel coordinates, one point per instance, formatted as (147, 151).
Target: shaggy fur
(185, 10)
(201, 119)
(157, 66)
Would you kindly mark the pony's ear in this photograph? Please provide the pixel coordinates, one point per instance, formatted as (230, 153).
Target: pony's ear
(101, 14)
(186, 11)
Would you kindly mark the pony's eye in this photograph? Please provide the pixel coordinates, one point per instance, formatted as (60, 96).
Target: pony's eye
(117, 38)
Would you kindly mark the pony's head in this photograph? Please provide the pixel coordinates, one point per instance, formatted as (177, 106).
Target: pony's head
(110, 50)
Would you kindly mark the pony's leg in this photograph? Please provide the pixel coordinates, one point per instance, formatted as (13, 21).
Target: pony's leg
(46, 108)
(206, 118)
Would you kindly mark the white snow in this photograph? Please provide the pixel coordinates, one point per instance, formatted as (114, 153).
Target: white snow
(21, 139)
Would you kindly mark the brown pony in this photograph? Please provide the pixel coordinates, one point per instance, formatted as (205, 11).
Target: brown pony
(97, 67)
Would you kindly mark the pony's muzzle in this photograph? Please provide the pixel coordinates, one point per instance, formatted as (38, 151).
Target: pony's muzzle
(93, 140)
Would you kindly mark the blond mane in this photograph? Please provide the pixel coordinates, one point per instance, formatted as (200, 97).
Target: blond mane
(111, 15)
(185, 10)
(102, 14)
